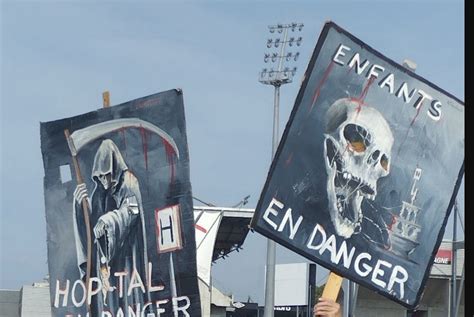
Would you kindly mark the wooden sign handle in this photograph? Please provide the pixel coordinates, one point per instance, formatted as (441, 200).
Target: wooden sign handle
(85, 210)
(106, 99)
(332, 287)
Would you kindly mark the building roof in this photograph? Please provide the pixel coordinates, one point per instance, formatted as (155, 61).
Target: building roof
(233, 229)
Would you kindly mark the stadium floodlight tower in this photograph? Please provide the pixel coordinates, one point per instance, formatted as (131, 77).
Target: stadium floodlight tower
(283, 74)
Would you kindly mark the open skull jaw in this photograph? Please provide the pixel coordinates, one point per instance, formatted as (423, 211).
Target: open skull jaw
(346, 190)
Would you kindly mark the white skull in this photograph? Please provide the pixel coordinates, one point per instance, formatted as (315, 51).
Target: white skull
(357, 147)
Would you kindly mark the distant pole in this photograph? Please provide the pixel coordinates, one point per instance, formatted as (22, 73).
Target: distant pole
(276, 78)
(353, 290)
(461, 284)
(453, 263)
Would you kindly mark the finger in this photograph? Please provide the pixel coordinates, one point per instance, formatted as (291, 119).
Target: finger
(76, 192)
(82, 196)
(327, 308)
(324, 309)
(324, 312)
(80, 193)
(325, 304)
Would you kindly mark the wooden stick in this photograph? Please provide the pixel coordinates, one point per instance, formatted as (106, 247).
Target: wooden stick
(332, 287)
(85, 210)
(106, 99)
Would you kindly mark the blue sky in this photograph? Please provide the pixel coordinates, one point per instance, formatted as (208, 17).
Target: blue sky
(58, 57)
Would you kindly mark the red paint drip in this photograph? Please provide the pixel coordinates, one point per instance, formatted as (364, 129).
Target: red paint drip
(321, 83)
(122, 131)
(416, 115)
(351, 68)
(170, 153)
(411, 125)
(392, 222)
(362, 96)
(145, 145)
(200, 228)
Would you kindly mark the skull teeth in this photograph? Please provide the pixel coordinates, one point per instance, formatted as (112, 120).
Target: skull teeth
(361, 183)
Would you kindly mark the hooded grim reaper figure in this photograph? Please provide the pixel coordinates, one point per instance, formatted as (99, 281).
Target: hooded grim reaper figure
(118, 240)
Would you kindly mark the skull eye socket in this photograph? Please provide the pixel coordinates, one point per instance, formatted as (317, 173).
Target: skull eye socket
(357, 137)
(384, 162)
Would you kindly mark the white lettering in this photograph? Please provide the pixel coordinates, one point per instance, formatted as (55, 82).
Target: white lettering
(135, 282)
(420, 100)
(159, 309)
(120, 275)
(120, 312)
(330, 245)
(151, 288)
(272, 211)
(379, 272)
(91, 292)
(388, 81)
(182, 309)
(340, 52)
(373, 71)
(355, 61)
(401, 280)
(435, 110)
(403, 91)
(59, 292)
(293, 227)
(73, 293)
(343, 252)
(367, 267)
(317, 228)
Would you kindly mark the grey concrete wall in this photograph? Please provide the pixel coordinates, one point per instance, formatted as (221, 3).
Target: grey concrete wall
(435, 301)
(217, 311)
(9, 303)
(35, 302)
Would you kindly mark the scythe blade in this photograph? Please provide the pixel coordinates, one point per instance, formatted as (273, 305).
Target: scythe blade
(86, 135)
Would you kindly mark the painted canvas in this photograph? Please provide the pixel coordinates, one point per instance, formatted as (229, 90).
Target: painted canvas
(367, 169)
(119, 214)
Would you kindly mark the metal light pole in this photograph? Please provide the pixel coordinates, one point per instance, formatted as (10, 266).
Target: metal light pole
(454, 263)
(276, 78)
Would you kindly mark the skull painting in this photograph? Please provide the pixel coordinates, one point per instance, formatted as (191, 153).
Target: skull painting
(357, 147)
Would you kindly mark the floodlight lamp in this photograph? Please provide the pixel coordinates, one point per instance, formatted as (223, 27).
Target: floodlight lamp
(266, 57)
(269, 43)
(288, 56)
(293, 71)
(280, 28)
(298, 42)
(290, 42)
(300, 27)
(271, 73)
(277, 42)
(272, 29)
(285, 71)
(274, 57)
(296, 56)
(293, 26)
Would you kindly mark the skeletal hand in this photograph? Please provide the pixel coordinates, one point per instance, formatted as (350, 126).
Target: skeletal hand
(327, 307)
(80, 193)
(99, 229)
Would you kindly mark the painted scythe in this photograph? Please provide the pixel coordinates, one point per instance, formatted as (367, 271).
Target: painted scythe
(78, 139)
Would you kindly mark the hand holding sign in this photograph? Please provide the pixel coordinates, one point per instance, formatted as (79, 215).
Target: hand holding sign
(327, 307)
